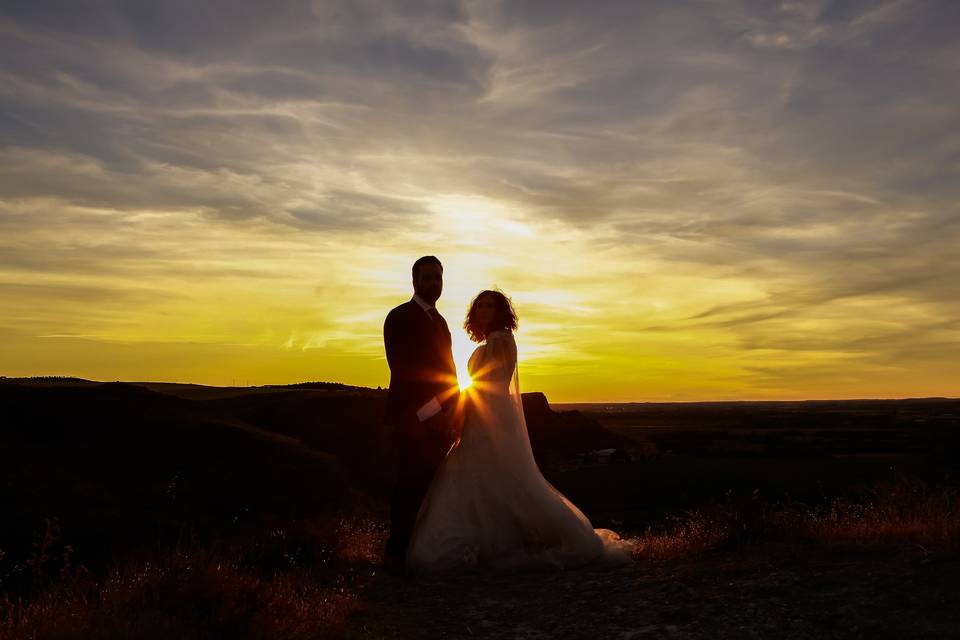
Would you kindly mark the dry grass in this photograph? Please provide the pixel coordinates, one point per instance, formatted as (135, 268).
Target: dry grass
(895, 514)
(905, 513)
(683, 536)
(184, 593)
(361, 540)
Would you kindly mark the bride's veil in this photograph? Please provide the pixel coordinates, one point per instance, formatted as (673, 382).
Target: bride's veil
(517, 439)
(516, 401)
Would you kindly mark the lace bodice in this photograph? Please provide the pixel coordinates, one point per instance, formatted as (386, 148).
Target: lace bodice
(495, 359)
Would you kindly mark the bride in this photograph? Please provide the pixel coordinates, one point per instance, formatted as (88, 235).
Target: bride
(489, 507)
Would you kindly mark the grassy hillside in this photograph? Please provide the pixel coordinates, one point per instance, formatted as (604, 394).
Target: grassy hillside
(122, 466)
(158, 510)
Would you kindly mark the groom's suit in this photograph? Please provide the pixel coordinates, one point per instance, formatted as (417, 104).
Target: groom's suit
(420, 356)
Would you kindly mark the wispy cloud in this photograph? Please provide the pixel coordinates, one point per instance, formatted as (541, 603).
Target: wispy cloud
(686, 199)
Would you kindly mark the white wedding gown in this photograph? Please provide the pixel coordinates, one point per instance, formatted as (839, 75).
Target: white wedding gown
(489, 507)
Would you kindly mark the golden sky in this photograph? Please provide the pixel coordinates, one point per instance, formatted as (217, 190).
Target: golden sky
(685, 201)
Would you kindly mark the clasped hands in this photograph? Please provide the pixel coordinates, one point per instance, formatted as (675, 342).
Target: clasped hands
(434, 418)
(448, 422)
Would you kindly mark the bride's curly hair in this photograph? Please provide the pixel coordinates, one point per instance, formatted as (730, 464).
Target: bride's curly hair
(505, 320)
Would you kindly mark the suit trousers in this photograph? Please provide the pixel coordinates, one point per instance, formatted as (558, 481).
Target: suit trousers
(419, 450)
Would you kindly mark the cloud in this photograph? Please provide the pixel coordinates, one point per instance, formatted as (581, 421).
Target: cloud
(737, 171)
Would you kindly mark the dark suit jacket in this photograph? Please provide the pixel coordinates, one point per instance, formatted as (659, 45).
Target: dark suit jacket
(420, 355)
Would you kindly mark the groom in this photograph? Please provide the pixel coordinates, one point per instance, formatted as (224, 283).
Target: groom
(421, 401)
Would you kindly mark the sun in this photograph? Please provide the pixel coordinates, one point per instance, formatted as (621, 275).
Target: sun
(462, 348)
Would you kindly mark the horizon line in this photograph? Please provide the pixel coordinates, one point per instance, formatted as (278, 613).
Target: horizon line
(287, 384)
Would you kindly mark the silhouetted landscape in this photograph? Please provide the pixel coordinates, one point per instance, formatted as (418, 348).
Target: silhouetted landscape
(158, 510)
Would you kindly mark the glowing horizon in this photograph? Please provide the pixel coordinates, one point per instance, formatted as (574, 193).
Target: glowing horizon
(685, 202)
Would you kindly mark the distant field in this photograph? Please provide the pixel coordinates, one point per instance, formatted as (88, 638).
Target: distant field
(839, 428)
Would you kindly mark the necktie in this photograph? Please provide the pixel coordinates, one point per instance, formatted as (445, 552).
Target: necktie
(432, 312)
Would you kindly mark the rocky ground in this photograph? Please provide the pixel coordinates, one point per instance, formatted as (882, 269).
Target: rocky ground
(764, 592)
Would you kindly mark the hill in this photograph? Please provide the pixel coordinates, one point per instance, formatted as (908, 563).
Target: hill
(123, 465)
(260, 512)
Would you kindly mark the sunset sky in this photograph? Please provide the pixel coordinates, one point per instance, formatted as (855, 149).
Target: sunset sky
(699, 200)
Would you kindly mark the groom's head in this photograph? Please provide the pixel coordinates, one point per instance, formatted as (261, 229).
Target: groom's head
(428, 278)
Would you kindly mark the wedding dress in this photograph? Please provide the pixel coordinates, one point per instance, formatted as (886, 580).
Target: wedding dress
(489, 507)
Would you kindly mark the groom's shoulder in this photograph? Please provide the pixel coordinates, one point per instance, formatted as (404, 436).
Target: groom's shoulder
(401, 310)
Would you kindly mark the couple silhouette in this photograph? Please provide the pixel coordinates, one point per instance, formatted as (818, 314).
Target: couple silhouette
(468, 494)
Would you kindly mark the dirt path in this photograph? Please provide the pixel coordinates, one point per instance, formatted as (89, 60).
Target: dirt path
(766, 593)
